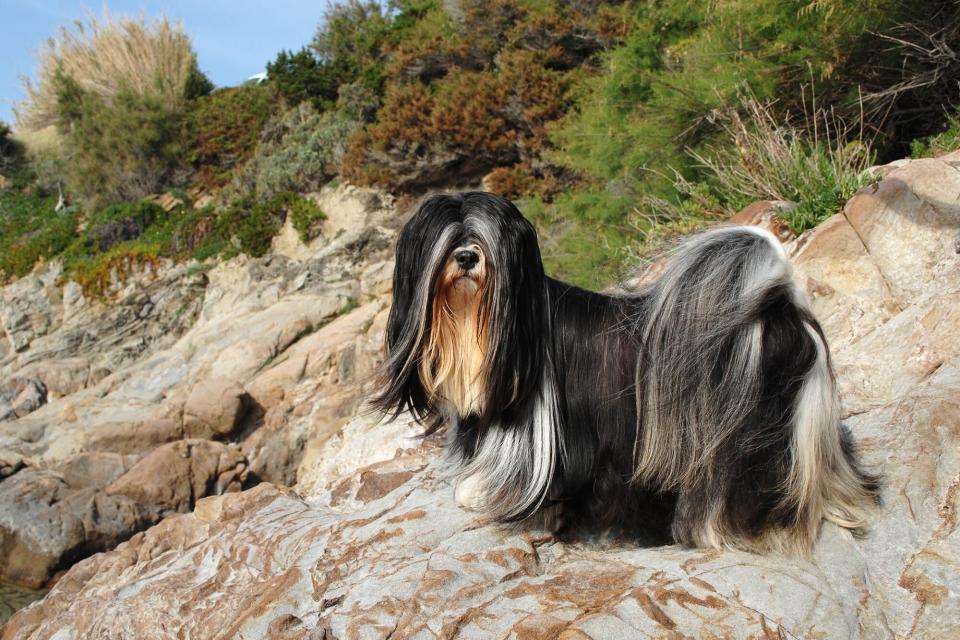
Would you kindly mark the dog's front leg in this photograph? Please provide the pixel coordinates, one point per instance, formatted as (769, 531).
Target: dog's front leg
(469, 493)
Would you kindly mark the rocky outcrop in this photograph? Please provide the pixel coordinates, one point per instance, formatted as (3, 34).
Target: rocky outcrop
(369, 543)
(49, 519)
(265, 356)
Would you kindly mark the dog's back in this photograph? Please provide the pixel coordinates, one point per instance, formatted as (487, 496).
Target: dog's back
(738, 407)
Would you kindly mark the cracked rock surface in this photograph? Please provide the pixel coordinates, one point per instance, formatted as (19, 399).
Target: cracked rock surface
(369, 543)
(190, 381)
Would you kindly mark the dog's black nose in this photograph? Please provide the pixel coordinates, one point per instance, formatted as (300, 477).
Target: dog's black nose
(467, 259)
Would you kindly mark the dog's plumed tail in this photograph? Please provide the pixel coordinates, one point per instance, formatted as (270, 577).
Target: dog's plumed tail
(737, 404)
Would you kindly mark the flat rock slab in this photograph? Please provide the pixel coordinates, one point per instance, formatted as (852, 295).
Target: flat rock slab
(385, 553)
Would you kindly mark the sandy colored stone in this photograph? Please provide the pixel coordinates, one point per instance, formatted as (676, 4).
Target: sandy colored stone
(216, 405)
(174, 476)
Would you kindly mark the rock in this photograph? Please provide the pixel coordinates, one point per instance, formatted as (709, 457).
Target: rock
(168, 201)
(171, 355)
(73, 299)
(287, 243)
(48, 518)
(29, 308)
(174, 476)
(851, 296)
(31, 398)
(96, 469)
(68, 342)
(377, 280)
(61, 376)
(214, 405)
(907, 223)
(766, 214)
(350, 209)
(44, 523)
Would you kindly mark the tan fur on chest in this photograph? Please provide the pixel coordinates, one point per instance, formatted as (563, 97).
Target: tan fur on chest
(453, 365)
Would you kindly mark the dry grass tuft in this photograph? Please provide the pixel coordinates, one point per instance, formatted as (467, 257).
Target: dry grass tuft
(770, 160)
(818, 164)
(105, 56)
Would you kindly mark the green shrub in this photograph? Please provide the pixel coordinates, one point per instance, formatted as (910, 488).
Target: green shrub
(300, 77)
(346, 49)
(763, 159)
(472, 92)
(97, 272)
(10, 151)
(223, 130)
(767, 160)
(944, 142)
(248, 224)
(120, 223)
(305, 216)
(118, 150)
(30, 230)
(301, 153)
(44, 169)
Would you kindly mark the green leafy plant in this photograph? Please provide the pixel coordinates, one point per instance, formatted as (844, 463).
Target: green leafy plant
(944, 142)
(30, 230)
(117, 150)
(767, 160)
(302, 152)
(249, 224)
(347, 49)
(305, 216)
(223, 129)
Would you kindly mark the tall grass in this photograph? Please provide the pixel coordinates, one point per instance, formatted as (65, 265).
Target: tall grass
(817, 164)
(107, 55)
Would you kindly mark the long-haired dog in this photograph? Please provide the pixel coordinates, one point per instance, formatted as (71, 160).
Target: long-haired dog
(701, 409)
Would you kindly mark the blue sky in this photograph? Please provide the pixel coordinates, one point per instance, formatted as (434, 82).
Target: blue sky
(234, 39)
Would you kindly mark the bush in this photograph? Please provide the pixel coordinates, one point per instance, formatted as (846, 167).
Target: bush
(305, 216)
(461, 126)
(249, 224)
(223, 130)
(112, 56)
(10, 150)
(300, 77)
(119, 223)
(944, 142)
(474, 89)
(346, 49)
(302, 151)
(30, 230)
(117, 150)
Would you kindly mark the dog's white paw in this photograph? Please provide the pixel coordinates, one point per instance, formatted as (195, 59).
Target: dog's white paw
(469, 494)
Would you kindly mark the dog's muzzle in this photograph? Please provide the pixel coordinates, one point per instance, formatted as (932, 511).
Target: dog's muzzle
(467, 259)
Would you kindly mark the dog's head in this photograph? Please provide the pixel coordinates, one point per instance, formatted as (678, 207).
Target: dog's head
(469, 310)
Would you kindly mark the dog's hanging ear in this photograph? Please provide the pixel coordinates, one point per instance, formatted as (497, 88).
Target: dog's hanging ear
(424, 243)
(516, 307)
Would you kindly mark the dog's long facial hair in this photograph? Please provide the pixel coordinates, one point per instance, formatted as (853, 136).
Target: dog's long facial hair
(702, 409)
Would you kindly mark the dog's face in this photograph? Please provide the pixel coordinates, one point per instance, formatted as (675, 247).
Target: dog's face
(468, 309)
(453, 367)
(463, 280)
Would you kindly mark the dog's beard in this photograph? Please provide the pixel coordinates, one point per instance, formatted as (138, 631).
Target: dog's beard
(453, 367)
